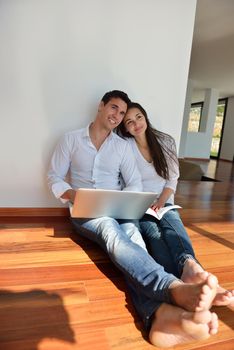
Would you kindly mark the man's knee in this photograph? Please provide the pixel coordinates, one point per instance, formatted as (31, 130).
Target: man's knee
(107, 223)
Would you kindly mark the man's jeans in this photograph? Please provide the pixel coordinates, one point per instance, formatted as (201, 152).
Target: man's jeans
(167, 241)
(122, 241)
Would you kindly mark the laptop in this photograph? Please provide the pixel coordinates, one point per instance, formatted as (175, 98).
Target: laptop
(95, 203)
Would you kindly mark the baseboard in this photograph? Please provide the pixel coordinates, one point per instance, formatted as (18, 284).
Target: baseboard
(205, 159)
(34, 212)
(198, 159)
(226, 160)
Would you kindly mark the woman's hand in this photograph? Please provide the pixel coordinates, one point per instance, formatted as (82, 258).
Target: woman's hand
(158, 205)
(166, 193)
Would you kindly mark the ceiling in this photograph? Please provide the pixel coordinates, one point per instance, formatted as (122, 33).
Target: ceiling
(212, 56)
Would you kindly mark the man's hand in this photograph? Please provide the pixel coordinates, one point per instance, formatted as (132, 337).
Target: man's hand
(70, 195)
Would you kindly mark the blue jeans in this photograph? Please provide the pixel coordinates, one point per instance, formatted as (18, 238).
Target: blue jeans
(122, 241)
(167, 241)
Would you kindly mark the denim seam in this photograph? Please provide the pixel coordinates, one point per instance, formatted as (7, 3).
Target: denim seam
(181, 264)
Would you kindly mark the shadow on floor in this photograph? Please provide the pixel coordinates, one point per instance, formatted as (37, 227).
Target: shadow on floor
(28, 317)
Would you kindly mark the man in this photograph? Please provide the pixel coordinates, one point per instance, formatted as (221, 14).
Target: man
(95, 157)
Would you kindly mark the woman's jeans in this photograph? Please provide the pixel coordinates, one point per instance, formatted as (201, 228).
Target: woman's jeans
(122, 241)
(167, 241)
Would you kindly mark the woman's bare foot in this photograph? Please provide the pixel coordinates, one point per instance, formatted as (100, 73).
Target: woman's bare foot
(224, 298)
(193, 272)
(173, 325)
(194, 297)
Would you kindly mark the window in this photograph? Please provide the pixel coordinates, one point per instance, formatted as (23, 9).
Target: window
(195, 117)
(218, 128)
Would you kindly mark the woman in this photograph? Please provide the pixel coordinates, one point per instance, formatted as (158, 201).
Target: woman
(167, 239)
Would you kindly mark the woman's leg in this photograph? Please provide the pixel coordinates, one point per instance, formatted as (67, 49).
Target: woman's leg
(189, 268)
(155, 244)
(177, 240)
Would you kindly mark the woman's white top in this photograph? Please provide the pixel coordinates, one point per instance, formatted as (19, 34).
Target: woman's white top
(151, 181)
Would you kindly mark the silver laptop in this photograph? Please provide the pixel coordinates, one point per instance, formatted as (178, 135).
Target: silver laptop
(94, 203)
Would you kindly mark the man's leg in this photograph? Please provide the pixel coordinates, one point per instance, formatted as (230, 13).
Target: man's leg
(159, 318)
(132, 229)
(133, 260)
(141, 269)
(173, 325)
(169, 325)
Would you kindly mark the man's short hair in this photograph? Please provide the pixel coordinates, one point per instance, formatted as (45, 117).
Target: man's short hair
(116, 94)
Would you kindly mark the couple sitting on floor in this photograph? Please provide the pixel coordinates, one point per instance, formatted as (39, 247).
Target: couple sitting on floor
(170, 290)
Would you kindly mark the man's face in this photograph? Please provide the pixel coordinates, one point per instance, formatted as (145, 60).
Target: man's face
(112, 113)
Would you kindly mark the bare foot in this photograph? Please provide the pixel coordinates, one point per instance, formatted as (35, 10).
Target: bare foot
(224, 298)
(194, 297)
(193, 272)
(173, 325)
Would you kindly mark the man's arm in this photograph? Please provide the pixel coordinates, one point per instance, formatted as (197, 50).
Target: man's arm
(130, 172)
(59, 166)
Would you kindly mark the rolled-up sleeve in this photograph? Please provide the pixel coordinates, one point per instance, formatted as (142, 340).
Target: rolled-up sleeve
(59, 166)
(173, 165)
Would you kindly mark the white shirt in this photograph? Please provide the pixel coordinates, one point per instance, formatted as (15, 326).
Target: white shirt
(76, 163)
(151, 181)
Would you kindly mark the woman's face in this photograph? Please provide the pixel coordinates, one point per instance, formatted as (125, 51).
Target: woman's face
(134, 122)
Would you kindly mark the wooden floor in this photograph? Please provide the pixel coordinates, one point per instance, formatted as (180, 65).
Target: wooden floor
(60, 292)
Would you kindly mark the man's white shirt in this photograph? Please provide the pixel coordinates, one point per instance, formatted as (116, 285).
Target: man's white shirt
(76, 163)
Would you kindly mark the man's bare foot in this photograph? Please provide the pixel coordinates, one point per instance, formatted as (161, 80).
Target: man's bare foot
(173, 325)
(193, 272)
(194, 297)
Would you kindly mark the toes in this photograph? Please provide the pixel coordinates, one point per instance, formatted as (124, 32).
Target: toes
(202, 306)
(205, 290)
(203, 275)
(204, 317)
(222, 300)
(213, 331)
(213, 324)
(212, 281)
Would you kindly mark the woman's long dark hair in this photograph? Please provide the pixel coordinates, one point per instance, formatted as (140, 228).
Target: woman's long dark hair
(155, 139)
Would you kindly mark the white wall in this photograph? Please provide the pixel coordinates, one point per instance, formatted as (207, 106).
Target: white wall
(185, 123)
(198, 144)
(57, 59)
(227, 148)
